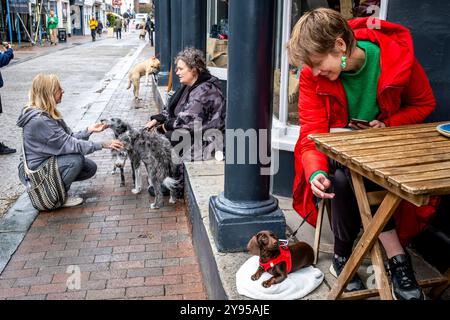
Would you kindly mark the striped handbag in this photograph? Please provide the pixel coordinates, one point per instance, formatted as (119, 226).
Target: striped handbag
(45, 186)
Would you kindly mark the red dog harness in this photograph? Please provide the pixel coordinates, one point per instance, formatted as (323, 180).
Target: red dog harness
(285, 256)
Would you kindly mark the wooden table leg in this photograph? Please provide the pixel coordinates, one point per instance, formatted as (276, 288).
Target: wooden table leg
(436, 292)
(382, 282)
(382, 216)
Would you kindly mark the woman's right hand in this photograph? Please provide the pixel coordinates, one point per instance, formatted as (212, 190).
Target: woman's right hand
(113, 144)
(151, 124)
(319, 184)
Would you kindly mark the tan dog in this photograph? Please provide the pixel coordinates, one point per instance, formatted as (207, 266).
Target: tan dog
(142, 34)
(149, 66)
(278, 260)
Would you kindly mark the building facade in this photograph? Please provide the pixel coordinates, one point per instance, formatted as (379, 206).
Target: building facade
(28, 17)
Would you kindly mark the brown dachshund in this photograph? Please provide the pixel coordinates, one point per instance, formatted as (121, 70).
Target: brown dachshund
(278, 260)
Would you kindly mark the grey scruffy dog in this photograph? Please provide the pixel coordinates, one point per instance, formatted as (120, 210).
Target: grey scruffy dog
(155, 151)
(118, 126)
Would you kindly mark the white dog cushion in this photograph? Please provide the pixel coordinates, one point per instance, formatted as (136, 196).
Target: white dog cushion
(297, 285)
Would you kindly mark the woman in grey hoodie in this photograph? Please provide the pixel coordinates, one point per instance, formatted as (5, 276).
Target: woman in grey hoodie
(45, 134)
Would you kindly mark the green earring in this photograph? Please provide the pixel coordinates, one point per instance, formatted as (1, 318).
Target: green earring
(343, 62)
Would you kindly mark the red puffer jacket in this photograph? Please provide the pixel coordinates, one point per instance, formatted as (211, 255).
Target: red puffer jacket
(404, 96)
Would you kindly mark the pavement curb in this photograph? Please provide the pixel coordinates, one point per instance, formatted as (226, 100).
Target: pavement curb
(14, 226)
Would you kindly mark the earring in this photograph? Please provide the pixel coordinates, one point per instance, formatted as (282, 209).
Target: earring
(343, 62)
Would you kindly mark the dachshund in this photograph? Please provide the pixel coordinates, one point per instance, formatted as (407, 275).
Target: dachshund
(276, 259)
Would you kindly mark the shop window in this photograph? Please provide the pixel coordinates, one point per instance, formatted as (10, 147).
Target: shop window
(286, 91)
(217, 41)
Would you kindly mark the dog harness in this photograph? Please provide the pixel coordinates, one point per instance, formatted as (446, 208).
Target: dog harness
(285, 255)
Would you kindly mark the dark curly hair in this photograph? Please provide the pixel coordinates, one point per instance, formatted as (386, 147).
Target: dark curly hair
(194, 59)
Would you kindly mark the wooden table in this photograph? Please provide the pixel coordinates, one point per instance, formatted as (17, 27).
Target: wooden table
(410, 162)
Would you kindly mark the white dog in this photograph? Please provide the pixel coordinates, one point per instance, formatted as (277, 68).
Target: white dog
(149, 66)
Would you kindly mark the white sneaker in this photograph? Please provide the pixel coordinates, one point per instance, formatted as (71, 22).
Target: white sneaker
(72, 202)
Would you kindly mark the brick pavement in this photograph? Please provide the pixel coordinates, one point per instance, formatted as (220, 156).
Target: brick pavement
(113, 246)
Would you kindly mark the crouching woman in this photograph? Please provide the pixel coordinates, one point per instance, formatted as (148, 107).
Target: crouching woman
(45, 134)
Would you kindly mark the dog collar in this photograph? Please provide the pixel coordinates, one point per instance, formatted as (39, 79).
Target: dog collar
(284, 256)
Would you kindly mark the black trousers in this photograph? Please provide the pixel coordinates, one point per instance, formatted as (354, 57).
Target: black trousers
(346, 220)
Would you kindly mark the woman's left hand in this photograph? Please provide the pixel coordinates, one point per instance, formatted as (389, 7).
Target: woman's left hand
(377, 124)
(97, 127)
(372, 125)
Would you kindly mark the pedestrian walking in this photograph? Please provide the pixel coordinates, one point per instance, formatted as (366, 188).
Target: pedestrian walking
(52, 24)
(150, 27)
(126, 22)
(5, 58)
(46, 135)
(118, 28)
(100, 29)
(93, 25)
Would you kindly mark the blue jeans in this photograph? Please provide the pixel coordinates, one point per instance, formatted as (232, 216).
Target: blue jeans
(72, 167)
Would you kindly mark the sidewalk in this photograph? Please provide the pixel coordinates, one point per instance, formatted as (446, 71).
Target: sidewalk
(113, 246)
(28, 51)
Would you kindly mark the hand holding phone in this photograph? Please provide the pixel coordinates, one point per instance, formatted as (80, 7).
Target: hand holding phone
(360, 122)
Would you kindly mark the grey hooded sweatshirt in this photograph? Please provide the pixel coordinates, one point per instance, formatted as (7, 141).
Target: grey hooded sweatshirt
(45, 137)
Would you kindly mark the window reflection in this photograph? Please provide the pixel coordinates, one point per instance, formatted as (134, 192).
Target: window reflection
(217, 41)
(349, 9)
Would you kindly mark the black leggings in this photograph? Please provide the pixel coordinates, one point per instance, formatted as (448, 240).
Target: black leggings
(346, 220)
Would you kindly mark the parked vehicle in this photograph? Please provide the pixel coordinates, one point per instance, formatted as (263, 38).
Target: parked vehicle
(139, 20)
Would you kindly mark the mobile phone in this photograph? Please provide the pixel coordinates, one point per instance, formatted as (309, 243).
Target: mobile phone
(360, 121)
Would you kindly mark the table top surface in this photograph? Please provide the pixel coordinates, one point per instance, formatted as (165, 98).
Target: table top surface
(412, 161)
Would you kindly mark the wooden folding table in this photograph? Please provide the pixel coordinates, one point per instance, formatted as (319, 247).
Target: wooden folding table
(411, 162)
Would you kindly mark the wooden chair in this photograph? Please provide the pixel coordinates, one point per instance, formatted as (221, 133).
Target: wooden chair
(374, 198)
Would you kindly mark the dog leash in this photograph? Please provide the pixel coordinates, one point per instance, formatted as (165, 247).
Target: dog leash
(285, 242)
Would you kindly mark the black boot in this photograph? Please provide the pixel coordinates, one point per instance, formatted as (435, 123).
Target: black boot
(336, 268)
(6, 150)
(404, 284)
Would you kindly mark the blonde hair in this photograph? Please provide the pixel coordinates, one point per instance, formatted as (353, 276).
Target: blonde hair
(316, 33)
(42, 94)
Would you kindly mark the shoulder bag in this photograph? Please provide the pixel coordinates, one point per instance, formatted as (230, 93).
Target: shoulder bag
(45, 186)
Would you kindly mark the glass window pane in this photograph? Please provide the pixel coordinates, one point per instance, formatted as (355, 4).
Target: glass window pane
(217, 42)
(349, 9)
(277, 66)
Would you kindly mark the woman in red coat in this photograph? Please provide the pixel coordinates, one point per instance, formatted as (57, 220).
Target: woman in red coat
(361, 70)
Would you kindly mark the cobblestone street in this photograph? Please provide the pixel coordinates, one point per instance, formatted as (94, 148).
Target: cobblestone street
(113, 244)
